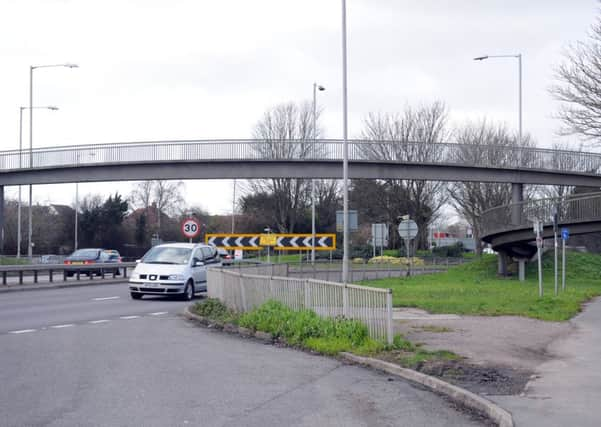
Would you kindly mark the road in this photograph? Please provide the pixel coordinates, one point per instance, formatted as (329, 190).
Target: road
(90, 356)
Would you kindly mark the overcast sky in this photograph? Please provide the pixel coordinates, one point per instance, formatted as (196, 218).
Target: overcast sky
(177, 69)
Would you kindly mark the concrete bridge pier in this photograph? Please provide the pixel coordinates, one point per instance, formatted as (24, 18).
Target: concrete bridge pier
(1, 219)
(502, 259)
(522, 270)
(517, 196)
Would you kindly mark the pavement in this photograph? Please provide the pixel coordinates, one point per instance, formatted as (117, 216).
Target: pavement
(562, 360)
(91, 356)
(567, 389)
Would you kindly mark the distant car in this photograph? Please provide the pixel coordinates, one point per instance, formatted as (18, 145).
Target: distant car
(178, 269)
(51, 259)
(226, 258)
(93, 256)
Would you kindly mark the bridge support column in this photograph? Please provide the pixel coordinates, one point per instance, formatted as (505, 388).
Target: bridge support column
(517, 196)
(502, 260)
(522, 269)
(1, 219)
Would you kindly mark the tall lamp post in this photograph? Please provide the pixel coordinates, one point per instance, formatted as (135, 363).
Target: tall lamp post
(519, 58)
(316, 87)
(49, 107)
(31, 69)
(345, 235)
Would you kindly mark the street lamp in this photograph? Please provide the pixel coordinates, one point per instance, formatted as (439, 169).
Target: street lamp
(76, 240)
(316, 87)
(31, 68)
(345, 235)
(49, 107)
(519, 58)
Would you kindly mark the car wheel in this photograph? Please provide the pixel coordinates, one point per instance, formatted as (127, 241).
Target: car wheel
(70, 274)
(136, 295)
(189, 291)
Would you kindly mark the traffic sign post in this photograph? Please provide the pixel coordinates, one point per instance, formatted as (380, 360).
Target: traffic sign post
(538, 228)
(408, 230)
(190, 228)
(554, 219)
(565, 235)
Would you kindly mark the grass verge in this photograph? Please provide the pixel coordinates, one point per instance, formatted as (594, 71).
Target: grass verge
(305, 329)
(475, 289)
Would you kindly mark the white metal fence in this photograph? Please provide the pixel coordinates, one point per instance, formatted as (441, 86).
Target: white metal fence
(243, 292)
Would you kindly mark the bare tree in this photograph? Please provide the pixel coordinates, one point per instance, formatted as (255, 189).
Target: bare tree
(286, 132)
(579, 87)
(165, 196)
(410, 137)
(483, 143)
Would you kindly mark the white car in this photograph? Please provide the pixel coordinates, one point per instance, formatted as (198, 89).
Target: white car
(173, 269)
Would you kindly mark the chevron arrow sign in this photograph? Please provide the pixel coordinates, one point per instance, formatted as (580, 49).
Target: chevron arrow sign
(284, 242)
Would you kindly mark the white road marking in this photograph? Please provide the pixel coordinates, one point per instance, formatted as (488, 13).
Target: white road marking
(158, 313)
(105, 298)
(66, 325)
(128, 317)
(98, 321)
(22, 331)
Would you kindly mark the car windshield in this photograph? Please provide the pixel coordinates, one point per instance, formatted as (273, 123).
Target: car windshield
(167, 255)
(85, 253)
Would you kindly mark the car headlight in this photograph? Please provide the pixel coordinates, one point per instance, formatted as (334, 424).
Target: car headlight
(176, 277)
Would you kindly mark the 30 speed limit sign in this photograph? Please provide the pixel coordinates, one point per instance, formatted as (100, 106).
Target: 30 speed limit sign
(190, 228)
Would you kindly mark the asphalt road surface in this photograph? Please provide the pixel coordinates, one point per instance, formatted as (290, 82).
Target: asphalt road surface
(90, 356)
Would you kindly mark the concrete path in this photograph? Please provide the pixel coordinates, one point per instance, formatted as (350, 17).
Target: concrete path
(568, 390)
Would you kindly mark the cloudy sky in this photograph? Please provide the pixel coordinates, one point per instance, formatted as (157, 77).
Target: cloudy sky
(198, 69)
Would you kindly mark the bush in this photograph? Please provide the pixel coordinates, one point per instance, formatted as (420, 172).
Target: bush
(214, 309)
(454, 251)
(416, 262)
(305, 328)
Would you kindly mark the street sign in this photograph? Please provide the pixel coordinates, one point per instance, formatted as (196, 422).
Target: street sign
(190, 228)
(353, 222)
(279, 242)
(565, 233)
(408, 229)
(268, 240)
(379, 235)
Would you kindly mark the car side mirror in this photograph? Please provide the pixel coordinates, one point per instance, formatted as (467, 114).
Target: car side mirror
(198, 263)
(138, 261)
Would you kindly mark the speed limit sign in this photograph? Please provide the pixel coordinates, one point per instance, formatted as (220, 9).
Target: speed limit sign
(190, 228)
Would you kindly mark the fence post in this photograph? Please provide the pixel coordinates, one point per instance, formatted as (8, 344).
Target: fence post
(345, 301)
(389, 336)
(307, 295)
(242, 293)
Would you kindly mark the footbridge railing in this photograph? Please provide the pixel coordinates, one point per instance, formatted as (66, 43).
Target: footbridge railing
(514, 216)
(300, 150)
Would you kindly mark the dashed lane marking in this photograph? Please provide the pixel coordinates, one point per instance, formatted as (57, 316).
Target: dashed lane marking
(22, 331)
(94, 322)
(104, 298)
(66, 325)
(157, 313)
(128, 317)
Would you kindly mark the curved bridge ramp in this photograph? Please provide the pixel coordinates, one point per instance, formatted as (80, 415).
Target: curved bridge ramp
(510, 228)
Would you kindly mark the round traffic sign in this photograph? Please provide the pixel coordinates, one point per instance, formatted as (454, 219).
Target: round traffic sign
(408, 229)
(190, 228)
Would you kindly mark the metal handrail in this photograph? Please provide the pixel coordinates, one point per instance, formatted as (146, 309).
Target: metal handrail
(499, 157)
(569, 209)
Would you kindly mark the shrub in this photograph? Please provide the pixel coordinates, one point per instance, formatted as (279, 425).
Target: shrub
(305, 328)
(214, 309)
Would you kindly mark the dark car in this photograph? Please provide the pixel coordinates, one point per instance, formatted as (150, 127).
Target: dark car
(88, 256)
(226, 258)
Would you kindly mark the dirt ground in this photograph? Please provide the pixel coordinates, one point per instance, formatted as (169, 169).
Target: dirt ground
(499, 354)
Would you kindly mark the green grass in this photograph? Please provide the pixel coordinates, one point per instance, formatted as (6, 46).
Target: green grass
(475, 289)
(13, 261)
(306, 329)
(283, 258)
(215, 310)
